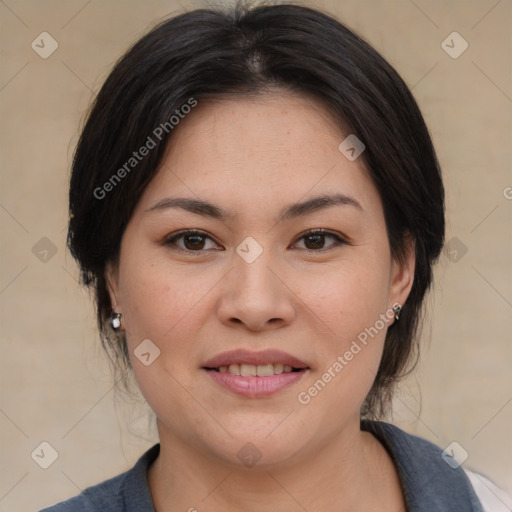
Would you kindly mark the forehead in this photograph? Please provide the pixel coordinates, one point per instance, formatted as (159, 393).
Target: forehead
(262, 150)
(273, 121)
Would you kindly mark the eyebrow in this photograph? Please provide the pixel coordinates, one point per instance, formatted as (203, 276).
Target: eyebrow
(207, 209)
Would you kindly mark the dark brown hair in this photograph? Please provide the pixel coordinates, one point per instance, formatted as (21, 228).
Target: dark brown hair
(248, 50)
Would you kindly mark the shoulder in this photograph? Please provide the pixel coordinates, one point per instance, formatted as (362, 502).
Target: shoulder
(126, 492)
(431, 479)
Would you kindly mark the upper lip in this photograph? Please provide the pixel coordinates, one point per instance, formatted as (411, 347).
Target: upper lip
(262, 357)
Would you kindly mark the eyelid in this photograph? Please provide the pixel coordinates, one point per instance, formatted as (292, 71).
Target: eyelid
(170, 240)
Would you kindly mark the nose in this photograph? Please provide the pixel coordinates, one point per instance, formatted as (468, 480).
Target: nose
(256, 296)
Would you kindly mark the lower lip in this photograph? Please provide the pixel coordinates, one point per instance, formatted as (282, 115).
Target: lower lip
(256, 387)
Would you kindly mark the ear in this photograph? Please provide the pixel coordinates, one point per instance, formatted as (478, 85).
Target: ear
(112, 281)
(402, 274)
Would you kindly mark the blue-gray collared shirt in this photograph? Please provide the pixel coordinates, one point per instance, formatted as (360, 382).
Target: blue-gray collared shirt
(429, 483)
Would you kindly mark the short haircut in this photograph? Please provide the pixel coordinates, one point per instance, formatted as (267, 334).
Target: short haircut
(250, 50)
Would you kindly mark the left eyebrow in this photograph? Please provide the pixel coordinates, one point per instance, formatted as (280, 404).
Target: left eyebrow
(207, 209)
(317, 203)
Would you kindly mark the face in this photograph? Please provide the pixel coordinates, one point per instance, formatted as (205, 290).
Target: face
(268, 269)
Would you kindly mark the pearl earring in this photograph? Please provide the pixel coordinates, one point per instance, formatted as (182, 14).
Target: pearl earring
(115, 320)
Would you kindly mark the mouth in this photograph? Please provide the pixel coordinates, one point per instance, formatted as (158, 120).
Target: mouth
(252, 370)
(255, 374)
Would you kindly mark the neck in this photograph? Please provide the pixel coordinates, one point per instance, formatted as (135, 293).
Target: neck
(350, 472)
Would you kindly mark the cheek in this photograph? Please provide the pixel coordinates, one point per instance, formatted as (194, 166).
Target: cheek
(164, 306)
(349, 357)
(352, 301)
(349, 296)
(168, 305)
(157, 297)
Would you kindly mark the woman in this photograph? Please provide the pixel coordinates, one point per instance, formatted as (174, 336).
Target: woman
(257, 205)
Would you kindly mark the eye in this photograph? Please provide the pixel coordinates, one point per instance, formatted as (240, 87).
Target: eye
(190, 241)
(315, 240)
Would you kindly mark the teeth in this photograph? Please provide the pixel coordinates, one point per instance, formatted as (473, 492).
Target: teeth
(248, 370)
(264, 370)
(234, 369)
(251, 370)
(278, 368)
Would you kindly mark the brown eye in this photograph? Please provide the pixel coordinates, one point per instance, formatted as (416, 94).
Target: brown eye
(190, 241)
(193, 242)
(315, 240)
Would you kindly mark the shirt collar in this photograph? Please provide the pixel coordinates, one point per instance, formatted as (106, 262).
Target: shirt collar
(135, 491)
(428, 482)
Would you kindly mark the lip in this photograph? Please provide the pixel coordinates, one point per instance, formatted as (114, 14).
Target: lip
(255, 387)
(242, 356)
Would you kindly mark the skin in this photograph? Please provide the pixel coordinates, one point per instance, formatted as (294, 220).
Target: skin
(253, 156)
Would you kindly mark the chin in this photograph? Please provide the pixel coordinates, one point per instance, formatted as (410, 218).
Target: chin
(259, 444)
(261, 454)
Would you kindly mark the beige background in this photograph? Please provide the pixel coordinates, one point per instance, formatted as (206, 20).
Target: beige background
(55, 384)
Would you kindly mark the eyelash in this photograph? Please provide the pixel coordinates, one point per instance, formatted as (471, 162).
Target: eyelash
(171, 240)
